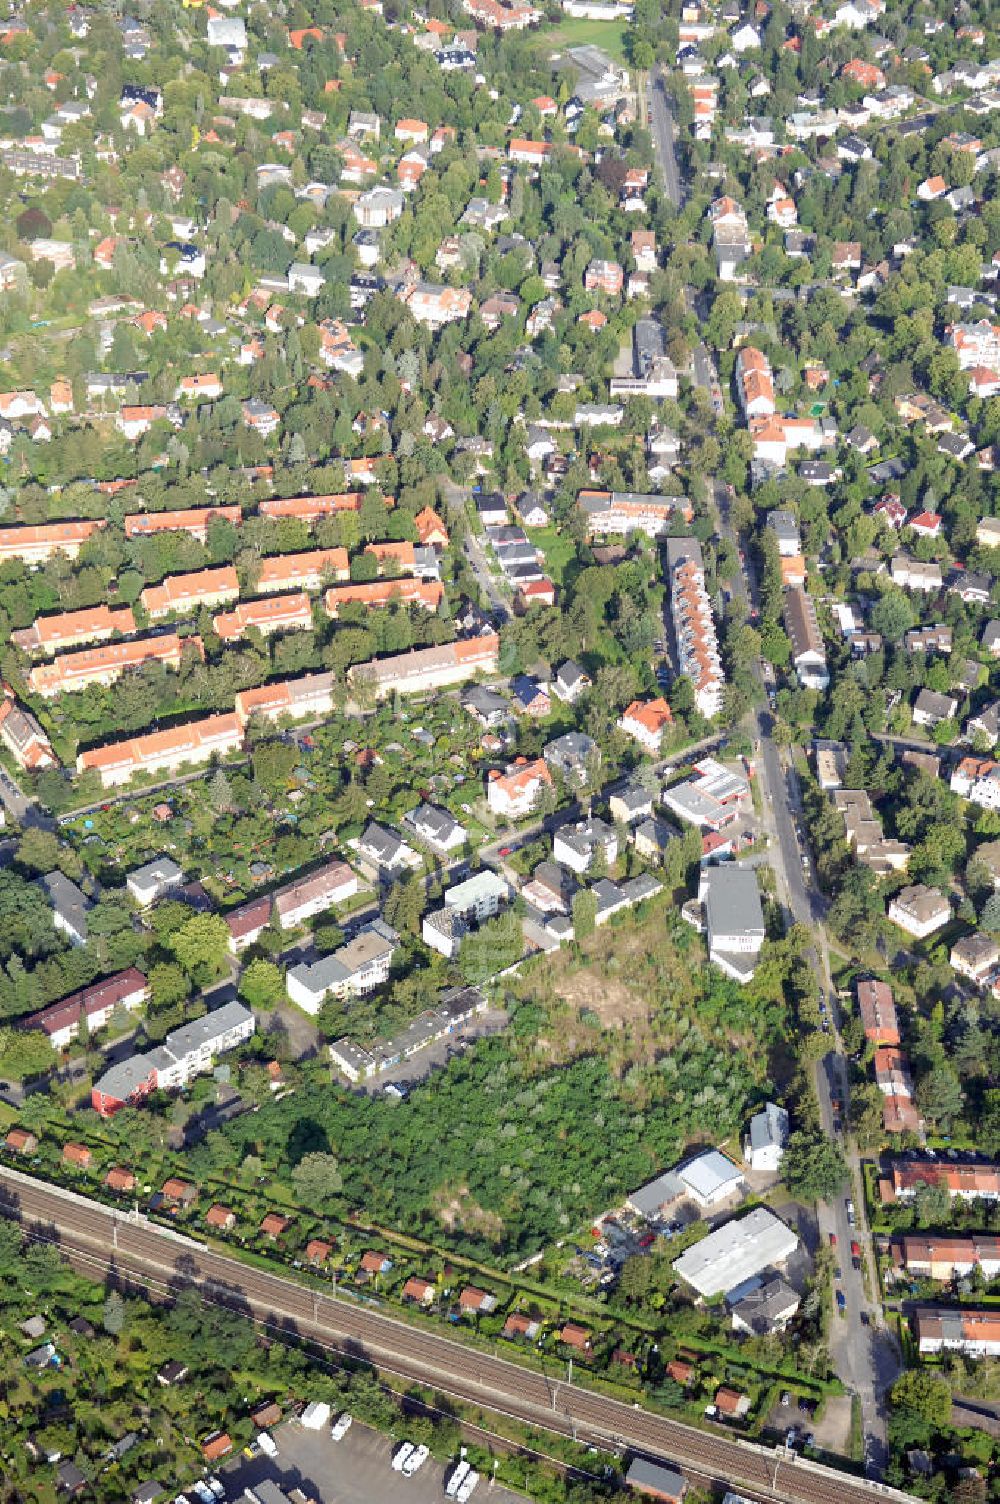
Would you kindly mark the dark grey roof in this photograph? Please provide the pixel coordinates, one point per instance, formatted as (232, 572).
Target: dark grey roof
(653, 1477)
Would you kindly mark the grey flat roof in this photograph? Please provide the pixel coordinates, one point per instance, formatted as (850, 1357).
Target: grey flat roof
(653, 1477)
(735, 1252)
(732, 901)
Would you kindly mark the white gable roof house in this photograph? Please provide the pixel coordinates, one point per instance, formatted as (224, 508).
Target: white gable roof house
(764, 1146)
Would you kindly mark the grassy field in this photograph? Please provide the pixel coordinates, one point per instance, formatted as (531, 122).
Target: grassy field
(581, 33)
(558, 548)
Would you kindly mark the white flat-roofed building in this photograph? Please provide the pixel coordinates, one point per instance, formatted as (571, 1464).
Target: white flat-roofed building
(736, 1252)
(479, 897)
(356, 968)
(148, 883)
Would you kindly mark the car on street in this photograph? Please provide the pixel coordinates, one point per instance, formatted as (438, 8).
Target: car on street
(849, 1206)
(833, 1240)
(841, 1302)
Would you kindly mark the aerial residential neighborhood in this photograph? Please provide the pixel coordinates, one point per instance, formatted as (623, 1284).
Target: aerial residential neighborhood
(500, 667)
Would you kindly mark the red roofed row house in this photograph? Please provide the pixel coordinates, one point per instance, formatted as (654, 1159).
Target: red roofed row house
(103, 665)
(694, 625)
(70, 629)
(969, 1181)
(292, 904)
(61, 1021)
(892, 1071)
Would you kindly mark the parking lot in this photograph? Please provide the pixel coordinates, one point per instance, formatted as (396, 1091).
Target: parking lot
(356, 1470)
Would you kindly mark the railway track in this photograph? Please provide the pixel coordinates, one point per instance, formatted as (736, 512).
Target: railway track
(105, 1241)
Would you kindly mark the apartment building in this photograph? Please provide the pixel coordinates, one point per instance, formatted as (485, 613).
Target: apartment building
(72, 629)
(877, 1008)
(310, 508)
(919, 910)
(352, 971)
(646, 721)
(754, 383)
(802, 626)
(304, 571)
(864, 831)
(23, 736)
(61, 1021)
(622, 512)
(516, 792)
(247, 923)
(425, 669)
(916, 574)
(975, 344)
(300, 901)
(312, 695)
(185, 1053)
(103, 665)
(278, 613)
(193, 520)
(33, 544)
(605, 277)
(694, 626)
(186, 592)
(434, 306)
(428, 594)
(734, 919)
(163, 752)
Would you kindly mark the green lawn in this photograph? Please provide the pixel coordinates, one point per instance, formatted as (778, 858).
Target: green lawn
(582, 33)
(558, 548)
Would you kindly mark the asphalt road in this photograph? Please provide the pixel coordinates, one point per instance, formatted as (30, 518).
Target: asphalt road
(455, 499)
(160, 1262)
(863, 1353)
(661, 125)
(20, 807)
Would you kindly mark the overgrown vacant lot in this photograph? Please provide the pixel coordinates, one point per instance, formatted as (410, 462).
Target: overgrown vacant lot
(609, 1070)
(634, 993)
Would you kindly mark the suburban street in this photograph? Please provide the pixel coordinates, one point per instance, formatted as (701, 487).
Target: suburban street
(661, 125)
(863, 1353)
(456, 498)
(104, 1241)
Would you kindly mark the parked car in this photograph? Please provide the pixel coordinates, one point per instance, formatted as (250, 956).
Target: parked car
(416, 1460)
(457, 1478)
(849, 1204)
(341, 1425)
(400, 1455)
(841, 1302)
